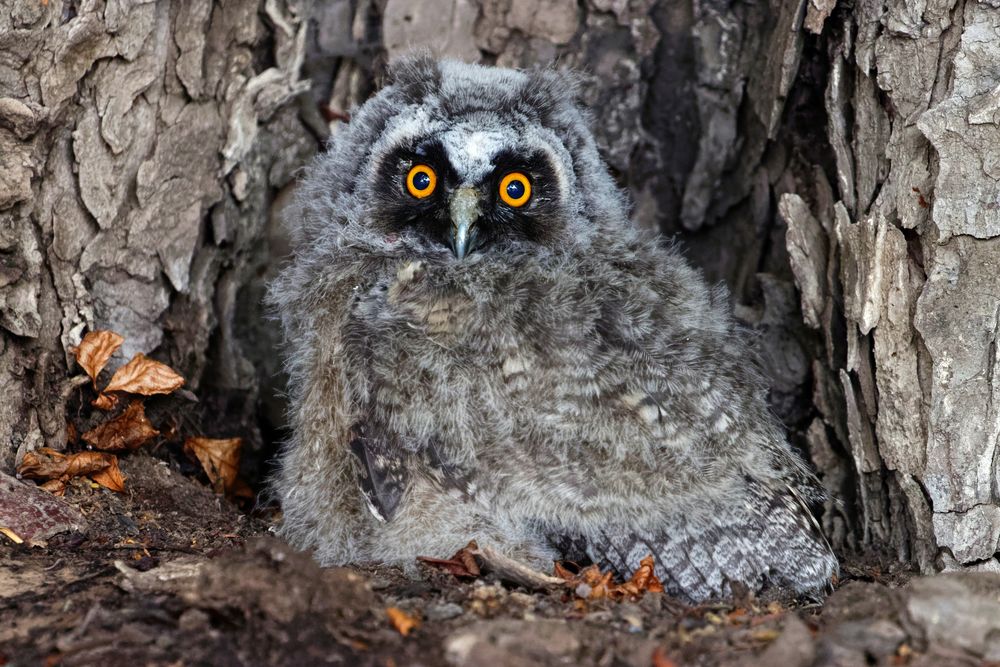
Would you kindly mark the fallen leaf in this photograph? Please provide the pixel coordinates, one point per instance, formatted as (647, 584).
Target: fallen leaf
(144, 376)
(56, 487)
(57, 468)
(562, 572)
(129, 430)
(403, 622)
(45, 463)
(462, 564)
(593, 584)
(11, 535)
(95, 350)
(643, 580)
(713, 618)
(220, 460)
(111, 477)
(660, 658)
(106, 402)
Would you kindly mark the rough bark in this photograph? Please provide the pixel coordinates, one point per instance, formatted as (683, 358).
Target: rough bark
(911, 239)
(146, 149)
(141, 145)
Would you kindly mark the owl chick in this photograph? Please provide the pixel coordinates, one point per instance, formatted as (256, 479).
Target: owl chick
(481, 346)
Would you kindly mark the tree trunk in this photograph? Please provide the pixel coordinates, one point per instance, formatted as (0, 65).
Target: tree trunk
(907, 235)
(852, 150)
(141, 148)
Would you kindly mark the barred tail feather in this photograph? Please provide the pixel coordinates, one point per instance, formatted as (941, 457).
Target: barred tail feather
(770, 539)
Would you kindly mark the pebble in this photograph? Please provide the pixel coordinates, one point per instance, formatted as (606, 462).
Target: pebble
(443, 612)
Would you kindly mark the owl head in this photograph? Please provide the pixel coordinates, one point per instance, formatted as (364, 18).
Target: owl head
(461, 161)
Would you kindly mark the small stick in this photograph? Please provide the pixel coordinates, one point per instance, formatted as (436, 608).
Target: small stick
(515, 571)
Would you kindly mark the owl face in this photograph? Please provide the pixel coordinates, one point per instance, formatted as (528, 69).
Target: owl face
(473, 182)
(461, 162)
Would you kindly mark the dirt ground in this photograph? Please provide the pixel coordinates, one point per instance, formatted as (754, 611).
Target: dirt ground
(168, 573)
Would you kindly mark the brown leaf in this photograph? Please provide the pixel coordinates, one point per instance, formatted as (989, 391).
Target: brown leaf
(644, 579)
(660, 658)
(403, 622)
(220, 460)
(144, 376)
(57, 468)
(129, 430)
(95, 350)
(45, 463)
(462, 564)
(56, 487)
(106, 402)
(562, 572)
(601, 585)
(111, 477)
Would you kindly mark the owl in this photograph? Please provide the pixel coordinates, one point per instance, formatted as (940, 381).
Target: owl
(481, 346)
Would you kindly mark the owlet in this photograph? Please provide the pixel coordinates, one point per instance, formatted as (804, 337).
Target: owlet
(481, 346)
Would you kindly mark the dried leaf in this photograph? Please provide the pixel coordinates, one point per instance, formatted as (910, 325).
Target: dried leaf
(106, 402)
(57, 468)
(95, 350)
(56, 487)
(660, 658)
(562, 572)
(129, 430)
(598, 585)
(111, 477)
(144, 376)
(463, 564)
(644, 579)
(45, 463)
(403, 622)
(220, 460)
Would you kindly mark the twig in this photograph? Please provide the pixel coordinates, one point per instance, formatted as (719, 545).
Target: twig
(515, 571)
(72, 383)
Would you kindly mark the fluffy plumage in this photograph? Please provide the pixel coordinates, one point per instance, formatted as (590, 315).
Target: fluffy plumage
(567, 389)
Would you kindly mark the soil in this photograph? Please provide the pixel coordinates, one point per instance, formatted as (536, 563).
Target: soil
(168, 573)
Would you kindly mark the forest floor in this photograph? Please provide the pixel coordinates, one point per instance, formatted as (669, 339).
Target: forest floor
(168, 573)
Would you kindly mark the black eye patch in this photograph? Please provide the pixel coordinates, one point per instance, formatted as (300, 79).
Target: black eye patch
(535, 166)
(396, 208)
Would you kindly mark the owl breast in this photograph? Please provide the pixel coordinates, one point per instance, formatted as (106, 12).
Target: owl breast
(436, 362)
(512, 367)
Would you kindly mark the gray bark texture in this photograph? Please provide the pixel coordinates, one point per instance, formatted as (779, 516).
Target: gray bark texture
(896, 250)
(838, 167)
(142, 145)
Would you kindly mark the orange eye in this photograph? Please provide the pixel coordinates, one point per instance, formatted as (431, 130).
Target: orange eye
(515, 189)
(421, 181)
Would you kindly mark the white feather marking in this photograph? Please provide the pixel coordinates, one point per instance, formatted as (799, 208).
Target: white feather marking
(515, 365)
(372, 508)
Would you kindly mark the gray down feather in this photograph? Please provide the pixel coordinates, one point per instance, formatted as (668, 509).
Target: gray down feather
(567, 390)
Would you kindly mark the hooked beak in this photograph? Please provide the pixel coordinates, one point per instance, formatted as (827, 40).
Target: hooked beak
(464, 209)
